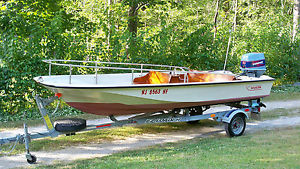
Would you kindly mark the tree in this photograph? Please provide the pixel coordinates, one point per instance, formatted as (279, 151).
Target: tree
(296, 18)
(133, 20)
(216, 18)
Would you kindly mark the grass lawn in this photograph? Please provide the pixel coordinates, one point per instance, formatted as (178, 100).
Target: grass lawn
(265, 149)
(282, 96)
(279, 112)
(283, 93)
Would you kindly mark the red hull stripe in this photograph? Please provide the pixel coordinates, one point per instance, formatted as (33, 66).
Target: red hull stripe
(105, 125)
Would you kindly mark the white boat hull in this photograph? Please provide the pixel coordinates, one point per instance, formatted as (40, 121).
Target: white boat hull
(132, 99)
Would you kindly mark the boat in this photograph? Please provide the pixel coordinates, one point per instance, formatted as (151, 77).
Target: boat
(146, 88)
(150, 94)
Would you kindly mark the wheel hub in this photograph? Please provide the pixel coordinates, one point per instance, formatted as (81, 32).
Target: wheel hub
(237, 125)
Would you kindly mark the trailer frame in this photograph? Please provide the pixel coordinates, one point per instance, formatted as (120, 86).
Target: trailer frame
(239, 114)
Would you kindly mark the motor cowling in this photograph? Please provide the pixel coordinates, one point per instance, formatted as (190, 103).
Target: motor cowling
(253, 64)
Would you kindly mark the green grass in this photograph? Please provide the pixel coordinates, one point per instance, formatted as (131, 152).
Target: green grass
(282, 96)
(283, 93)
(280, 112)
(98, 136)
(265, 149)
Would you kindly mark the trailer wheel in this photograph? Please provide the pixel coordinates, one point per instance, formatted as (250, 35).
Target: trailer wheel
(237, 126)
(33, 159)
(70, 125)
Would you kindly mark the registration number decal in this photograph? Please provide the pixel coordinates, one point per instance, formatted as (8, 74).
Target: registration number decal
(154, 91)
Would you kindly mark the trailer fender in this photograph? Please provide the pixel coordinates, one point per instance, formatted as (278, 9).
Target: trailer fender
(228, 116)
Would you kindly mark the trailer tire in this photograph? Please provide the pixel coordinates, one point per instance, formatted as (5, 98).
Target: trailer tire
(237, 125)
(70, 125)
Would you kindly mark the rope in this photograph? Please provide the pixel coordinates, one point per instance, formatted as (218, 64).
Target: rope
(57, 105)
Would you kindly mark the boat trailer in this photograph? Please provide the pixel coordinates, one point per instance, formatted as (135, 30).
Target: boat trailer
(234, 120)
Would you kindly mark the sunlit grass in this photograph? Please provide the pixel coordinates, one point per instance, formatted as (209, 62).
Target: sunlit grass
(265, 149)
(282, 96)
(280, 112)
(283, 93)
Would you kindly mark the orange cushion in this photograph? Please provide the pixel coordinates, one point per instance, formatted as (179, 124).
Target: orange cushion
(153, 77)
(209, 77)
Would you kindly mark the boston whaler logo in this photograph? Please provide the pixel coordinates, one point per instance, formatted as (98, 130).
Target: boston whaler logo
(164, 120)
(254, 87)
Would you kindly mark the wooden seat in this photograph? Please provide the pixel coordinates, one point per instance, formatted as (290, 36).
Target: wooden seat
(209, 77)
(177, 78)
(153, 77)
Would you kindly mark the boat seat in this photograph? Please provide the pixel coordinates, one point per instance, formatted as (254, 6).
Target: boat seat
(177, 78)
(202, 77)
(153, 77)
(209, 77)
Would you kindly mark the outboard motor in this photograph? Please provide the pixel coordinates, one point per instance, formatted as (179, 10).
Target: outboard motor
(253, 64)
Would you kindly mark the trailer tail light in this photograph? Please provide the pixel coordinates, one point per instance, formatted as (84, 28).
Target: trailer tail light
(58, 95)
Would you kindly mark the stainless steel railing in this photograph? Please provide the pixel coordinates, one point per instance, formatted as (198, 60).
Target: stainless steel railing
(105, 65)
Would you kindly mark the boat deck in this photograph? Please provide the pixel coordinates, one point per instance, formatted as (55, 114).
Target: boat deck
(120, 80)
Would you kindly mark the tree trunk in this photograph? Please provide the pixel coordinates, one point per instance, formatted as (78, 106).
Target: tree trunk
(109, 16)
(132, 26)
(296, 22)
(216, 19)
(133, 18)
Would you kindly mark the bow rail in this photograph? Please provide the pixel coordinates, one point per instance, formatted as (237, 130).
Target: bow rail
(97, 65)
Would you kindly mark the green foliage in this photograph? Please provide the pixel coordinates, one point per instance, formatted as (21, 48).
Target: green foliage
(30, 32)
(286, 89)
(169, 32)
